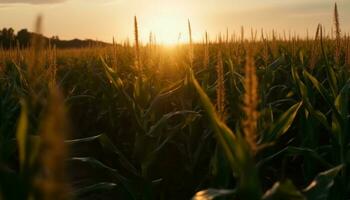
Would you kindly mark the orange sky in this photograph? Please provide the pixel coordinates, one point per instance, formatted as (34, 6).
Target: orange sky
(103, 19)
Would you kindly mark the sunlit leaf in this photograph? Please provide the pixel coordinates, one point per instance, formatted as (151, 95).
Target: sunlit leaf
(211, 194)
(224, 133)
(94, 188)
(283, 191)
(83, 140)
(283, 123)
(320, 187)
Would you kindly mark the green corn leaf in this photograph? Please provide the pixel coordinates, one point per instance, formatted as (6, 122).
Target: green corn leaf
(322, 90)
(108, 145)
(94, 188)
(83, 140)
(22, 128)
(283, 190)
(295, 151)
(130, 103)
(162, 122)
(283, 123)
(96, 164)
(224, 134)
(235, 148)
(165, 93)
(165, 118)
(342, 101)
(211, 194)
(332, 80)
(320, 187)
(305, 93)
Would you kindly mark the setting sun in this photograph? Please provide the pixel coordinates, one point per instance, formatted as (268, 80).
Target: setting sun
(168, 30)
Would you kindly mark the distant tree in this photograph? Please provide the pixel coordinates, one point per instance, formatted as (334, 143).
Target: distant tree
(3, 35)
(23, 38)
(55, 38)
(7, 38)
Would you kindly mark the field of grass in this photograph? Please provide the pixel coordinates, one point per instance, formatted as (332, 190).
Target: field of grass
(264, 116)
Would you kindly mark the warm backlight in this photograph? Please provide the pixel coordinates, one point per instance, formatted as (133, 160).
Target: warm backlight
(169, 29)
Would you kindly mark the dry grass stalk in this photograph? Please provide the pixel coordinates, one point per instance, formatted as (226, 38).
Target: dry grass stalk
(232, 38)
(51, 56)
(273, 35)
(253, 34)
(53, 131)
(332, 34)
(242, 33)
(206, 51)
(220, 87)
(265, 53)
(190, 32)
(115, 55)
(347, 53)
(150, 41)
(227, 36)
(18, 57)
(262, 36)
(191, 53)
(137, 46)
(337, 34)
(35, 59)
(315, 49)
(250, 102)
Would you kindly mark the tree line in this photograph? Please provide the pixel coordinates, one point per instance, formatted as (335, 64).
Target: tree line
(9, 39)
(22, 39)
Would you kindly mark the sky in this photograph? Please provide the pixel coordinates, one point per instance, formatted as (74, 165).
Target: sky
(167, 19)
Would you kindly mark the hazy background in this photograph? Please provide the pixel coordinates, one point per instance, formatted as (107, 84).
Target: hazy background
(103, 19)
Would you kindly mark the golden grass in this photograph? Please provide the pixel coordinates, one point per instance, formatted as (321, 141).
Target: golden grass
(206, 59)
(250, 100)
(53, 150)
(347, 52)
(137, 46)
(220, 87)
(191, 50)
(315, 49)
(337, 34)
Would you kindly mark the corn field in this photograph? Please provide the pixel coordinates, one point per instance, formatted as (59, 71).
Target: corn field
(264, 116)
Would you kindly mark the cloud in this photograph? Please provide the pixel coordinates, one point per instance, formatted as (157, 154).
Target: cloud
(31, 1)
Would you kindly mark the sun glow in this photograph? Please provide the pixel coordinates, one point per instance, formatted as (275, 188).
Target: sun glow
(168, 29)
